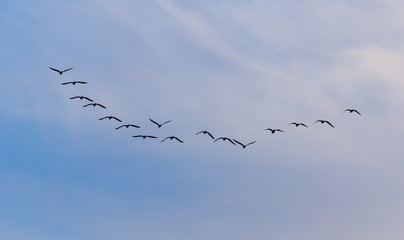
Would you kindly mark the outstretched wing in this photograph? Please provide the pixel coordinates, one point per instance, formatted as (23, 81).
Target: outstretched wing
(164, 139)
(154, 121)
(102, 118)
(88, 105)
(179, 140)
(250, 143)
(279, 130)
(54, 69)
(230, 141)
(199, 132)
(237, 142)
(75, 97)
(165, 122)
(67, 70)
(210, 135)
(120, 127)
(354, 110)
(303, 125)
(329, 123)
(317, 121)
(132, 125)
(100, 105)
(119, 120)
(89, 99)
(67, 83)
(151, 136)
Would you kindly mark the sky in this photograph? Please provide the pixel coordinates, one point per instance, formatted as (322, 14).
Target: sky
(233, 68)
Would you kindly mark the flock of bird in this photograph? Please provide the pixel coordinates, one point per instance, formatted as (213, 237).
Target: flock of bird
(159, 125)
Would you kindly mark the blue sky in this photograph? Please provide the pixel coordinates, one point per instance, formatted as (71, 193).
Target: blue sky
(231, 67)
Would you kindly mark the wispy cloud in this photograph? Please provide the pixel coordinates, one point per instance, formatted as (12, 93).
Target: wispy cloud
(209, 39)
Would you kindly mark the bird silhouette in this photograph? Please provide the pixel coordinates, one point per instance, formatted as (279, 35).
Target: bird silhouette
(244, 146)
(171, 138)
(94, 104)
(206, 132)
(224, 139)
(127, 125)
(352, 110)
(324, 121)
(144, 136)
(159, 125)
(59, 71)
(82, 97)
(74, 82)
(298, 124)
(110, 117)
(274, 130)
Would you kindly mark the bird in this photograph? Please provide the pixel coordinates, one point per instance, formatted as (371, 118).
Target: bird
(298, 124)
(244, 146)
(144, 136)
(171, 138)
(127, 125)
(82, 97)
(206, 132)
(352, 110)
(110, 117)
(274, 130)
(224, 139)
(59, 71)
(159, 125)
(324, 121)
(94, 104)
(74, 82)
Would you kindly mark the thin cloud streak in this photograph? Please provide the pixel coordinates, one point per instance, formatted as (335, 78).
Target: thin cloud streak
(206, 36)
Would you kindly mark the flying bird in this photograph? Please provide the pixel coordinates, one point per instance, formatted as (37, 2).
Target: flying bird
(206, 132)
(59, 71)
(144, 136)
(82, 97)
(244, 146)
(94, 104)
(224, 139)
(298, 124)
(324, 121)
(274, 130)
(127, 125)
(171, 138)
(159, 125)
(74, 82)
(110, 117)
(352, 110)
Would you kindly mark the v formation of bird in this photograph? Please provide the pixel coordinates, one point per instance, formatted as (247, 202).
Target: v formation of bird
(91, 102)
